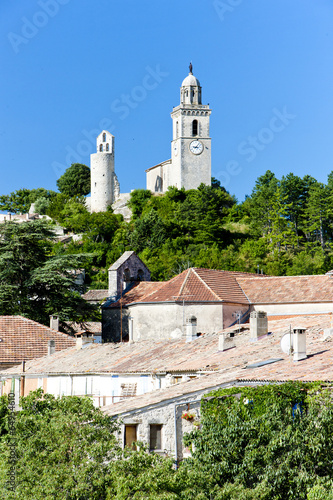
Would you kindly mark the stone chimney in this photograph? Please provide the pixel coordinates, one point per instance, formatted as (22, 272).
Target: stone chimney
(191, 328)
(130, 330)
(50, 347)
(258, 324)
(83, 339)
(226, 341)
(299, 344)
(54, 322)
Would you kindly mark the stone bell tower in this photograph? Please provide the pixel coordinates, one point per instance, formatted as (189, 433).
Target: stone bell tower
(191, 144)
(104, 182)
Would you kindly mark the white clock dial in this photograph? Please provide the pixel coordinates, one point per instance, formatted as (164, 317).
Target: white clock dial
(196, 147)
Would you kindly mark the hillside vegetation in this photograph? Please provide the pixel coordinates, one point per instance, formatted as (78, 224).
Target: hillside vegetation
(284, 227)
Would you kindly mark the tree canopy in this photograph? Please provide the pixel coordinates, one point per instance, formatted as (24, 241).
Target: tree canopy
(75, 181)
(21, 200)
(35, 283)
(266, 443)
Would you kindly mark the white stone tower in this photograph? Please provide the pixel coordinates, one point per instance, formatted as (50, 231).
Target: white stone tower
(104, 182)
(191, 144)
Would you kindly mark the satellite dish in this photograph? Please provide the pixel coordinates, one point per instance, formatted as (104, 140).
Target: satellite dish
(287, 343)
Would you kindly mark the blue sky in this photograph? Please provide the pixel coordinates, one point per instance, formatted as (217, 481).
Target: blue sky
(73, 67)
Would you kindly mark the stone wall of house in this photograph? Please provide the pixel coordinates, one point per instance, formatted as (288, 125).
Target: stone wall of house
(165, 416)
(160, 320)
(230, 312)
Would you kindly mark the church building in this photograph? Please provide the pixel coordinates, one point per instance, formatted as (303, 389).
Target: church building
(190, 163)
(189, 166)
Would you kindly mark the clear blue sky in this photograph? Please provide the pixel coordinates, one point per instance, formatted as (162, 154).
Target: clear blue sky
(69, 65)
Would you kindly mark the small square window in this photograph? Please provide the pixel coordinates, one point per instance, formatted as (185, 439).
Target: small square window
(155, 442)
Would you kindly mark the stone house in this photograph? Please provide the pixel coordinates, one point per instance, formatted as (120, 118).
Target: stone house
(209, 300)
(157, 418)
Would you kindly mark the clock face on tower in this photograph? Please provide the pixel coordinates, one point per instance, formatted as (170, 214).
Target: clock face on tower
(196, 147)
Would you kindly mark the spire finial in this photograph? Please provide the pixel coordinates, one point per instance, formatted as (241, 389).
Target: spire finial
(191, 68)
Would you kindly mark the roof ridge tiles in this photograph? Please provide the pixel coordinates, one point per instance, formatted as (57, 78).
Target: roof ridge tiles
(209, 288)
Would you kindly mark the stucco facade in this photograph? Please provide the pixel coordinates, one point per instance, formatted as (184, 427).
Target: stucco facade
(167, 320)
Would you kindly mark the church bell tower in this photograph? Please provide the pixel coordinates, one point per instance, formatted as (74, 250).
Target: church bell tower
(191, 144)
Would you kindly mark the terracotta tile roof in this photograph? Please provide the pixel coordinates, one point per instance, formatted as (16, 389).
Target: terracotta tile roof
(139, 291)
(193, 285)
(201, 355)
(233, 370)
(96, 295)
(24, 339)
(287, 289)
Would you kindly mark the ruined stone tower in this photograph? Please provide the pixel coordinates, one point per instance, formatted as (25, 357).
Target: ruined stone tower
(104, 182)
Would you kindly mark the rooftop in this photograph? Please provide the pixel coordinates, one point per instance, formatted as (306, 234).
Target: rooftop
(287, 289)
(24, 339)
(252, 362)
(192, 285)
(201, 355)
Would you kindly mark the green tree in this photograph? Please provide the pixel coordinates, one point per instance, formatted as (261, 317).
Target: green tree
(75, 181)
(34, 283)
(63, 448)
(138, 201)
(317, 214)
(21, 200)
(278, 436)
(260, 203)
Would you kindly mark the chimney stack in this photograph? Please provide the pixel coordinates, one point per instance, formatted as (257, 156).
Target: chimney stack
(54, 322)
(226, 341)
(130, 330)
(83, 339)
(50, 347)
(191, 328)
(258, 324)
(299, 344)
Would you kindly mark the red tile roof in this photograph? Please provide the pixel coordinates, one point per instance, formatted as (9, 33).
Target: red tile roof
(202, 355)
(192, 285)
(287, 289)
(138, 292)
(24, 339)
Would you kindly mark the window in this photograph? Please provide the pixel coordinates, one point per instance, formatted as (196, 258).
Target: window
(126, 275)
(107, 147)
(155, 442)
(101, 147)
(176, 380)
(104, 137)
(140, 276)
(130, 436)
(177, 129)
(195, 127)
